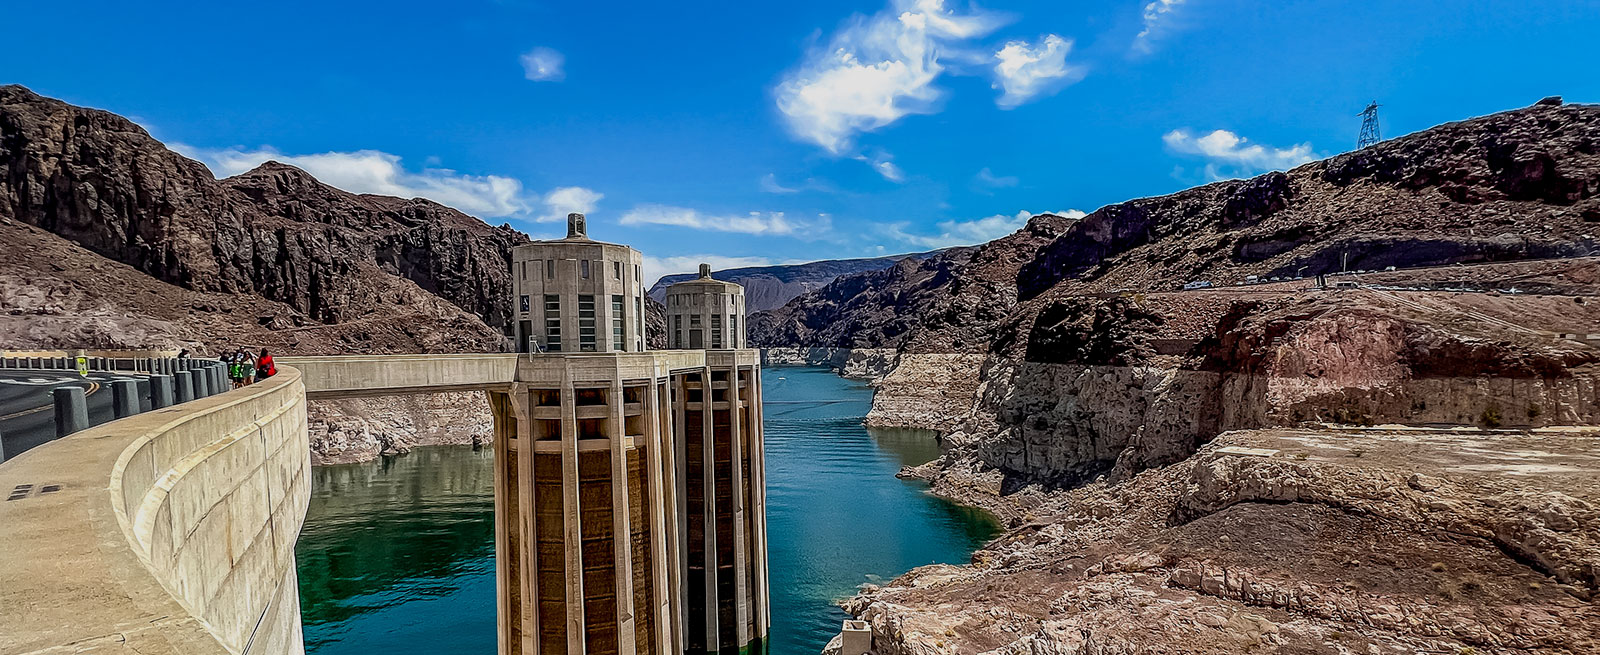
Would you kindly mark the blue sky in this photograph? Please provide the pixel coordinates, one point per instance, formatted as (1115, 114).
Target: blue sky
(761, 132)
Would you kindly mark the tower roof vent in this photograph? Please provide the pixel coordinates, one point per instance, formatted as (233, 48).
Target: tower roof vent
(705, 271)
(575, 226)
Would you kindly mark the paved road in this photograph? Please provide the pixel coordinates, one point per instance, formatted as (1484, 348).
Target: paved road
(27, 410)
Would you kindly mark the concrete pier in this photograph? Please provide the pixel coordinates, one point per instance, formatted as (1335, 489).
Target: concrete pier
(72, 410)
(160, 391)
(183, 386)
(124, 398)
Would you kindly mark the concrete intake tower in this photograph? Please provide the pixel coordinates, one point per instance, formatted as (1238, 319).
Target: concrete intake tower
(629, 484)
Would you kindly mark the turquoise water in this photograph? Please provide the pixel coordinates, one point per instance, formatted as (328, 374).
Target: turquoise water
(397, 555)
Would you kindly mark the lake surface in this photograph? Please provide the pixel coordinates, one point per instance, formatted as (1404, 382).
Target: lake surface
(397, 555)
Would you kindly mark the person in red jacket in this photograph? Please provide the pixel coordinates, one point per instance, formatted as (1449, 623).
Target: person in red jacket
(265, 367)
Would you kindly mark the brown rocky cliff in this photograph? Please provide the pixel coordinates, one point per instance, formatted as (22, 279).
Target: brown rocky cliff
(101, 181)
(1518, 185)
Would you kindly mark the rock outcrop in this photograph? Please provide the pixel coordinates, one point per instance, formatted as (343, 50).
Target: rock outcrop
(1288, 541)
(100, 181)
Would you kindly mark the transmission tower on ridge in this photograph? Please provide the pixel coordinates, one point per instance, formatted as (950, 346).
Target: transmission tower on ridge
(1369, 127)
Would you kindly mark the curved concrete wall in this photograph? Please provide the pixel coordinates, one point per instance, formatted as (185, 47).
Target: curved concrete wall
(171, 531)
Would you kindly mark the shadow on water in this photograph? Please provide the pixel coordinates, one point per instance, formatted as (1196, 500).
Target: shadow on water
(397, 555)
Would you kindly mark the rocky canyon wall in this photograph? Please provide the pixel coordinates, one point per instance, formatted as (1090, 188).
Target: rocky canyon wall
(1064, 424)
(359, 429)
(932, 391)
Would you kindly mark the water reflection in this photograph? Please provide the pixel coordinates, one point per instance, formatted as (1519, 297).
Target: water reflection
(913, 446)
(396, 549)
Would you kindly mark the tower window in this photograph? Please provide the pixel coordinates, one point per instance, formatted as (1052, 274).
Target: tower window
(552, 323)
(586, 322)
(583, 266)
(617, 341)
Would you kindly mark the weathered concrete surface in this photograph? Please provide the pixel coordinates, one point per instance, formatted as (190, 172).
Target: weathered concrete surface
(384, 375)
(172, 531)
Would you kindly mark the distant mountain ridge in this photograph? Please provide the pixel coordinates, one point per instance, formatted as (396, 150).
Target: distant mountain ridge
(1520, 184)
(771, 287)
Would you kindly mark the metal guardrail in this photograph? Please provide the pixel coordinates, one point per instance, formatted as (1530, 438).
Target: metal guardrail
(167, 381)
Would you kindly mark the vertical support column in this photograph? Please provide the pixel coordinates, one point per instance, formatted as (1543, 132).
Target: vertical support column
(758, 489)
(661, 518)
(517, 627)
(572, 531)
(741, 581)
(676, 421)
(502, 542)
(528, 518)
(708, 469)
(621, 505)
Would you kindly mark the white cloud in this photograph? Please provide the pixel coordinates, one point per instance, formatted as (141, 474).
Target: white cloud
(877, 70)
(373, 171)
(561, 201)
(987, 179)
(1025, 72)
(966, 233)
(883, 164)
(1224, 148)
(657, 267)
(763, 223)
(1154, 14)
(543, 64)
(769, 184)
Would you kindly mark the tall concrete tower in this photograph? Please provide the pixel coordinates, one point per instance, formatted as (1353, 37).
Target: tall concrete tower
(722, 456)
(705, 313)
(612, 533)
(577, 294)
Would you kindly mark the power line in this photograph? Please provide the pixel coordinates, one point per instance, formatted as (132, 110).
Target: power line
(1369, 127)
